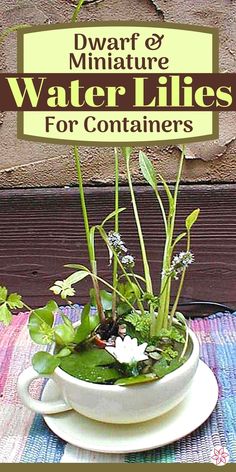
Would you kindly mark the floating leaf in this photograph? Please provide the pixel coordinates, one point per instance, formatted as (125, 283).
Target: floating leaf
(45, 363)
(136, 380)
(192, 218)
(91, 365)
(162, 368)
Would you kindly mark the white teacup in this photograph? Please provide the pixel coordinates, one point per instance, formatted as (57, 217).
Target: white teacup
(114, 403)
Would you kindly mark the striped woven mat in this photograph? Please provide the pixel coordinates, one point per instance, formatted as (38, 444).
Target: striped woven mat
(24, 437)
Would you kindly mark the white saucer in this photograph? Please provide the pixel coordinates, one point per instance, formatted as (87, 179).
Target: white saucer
(101, 437)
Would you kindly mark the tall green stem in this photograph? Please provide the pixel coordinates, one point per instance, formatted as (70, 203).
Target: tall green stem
(174, 308)
(83, 205)
(119, 263)
(139, 228)
(114, 277)
(90, 247)
(162, 319)
(162, 211)
(76, 12)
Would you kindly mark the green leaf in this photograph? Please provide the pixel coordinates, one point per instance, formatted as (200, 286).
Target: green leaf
(46, 313)
(141, 324)
(77, 276)
(126, 151)
(84, 329)
(66, 320)
(45, 363)
(131, 292)
(111, 215)
(192, 218)
(169, 354)
(5, 314)
(136, 380)
(178, 239)
(172, 333)
(91, 237)
(180, 317)
(162, 368)
(90, 365)
(14, 301)
(42, 334)
(3, 294)
(64, 334)
(40, 323)
(64, 352)
(168, 193)
(77, 266)
(106, 299)
(148, 170)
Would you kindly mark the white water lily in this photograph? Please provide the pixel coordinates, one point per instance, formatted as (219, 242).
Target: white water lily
(128, 351)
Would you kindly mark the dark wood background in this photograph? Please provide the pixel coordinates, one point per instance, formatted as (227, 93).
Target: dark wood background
(41, 230)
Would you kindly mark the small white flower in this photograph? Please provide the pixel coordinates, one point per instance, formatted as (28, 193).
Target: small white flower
(180, 262)
(127, 351)
(116, 241)
(128, 261)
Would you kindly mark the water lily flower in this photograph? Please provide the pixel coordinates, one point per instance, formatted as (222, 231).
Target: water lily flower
(128, 351)
(63, 288)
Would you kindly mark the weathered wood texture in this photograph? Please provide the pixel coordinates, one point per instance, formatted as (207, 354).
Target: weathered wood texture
(34, 164)
(41, 230)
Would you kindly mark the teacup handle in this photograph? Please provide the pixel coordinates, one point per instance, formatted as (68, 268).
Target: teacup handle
(43, 407)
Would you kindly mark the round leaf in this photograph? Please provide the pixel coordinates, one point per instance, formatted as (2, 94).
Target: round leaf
(64, 334)
(45, 363)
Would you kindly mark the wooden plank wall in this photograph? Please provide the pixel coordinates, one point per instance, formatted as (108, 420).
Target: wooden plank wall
(41, 230)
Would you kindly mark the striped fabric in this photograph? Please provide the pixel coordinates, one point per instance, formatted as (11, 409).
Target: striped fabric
(24, 437)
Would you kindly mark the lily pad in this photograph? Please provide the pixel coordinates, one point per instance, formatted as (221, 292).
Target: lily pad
(162, 367)
(136, 380)
(91, 365)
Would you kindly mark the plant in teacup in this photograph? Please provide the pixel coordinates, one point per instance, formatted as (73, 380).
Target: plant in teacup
(131, 356)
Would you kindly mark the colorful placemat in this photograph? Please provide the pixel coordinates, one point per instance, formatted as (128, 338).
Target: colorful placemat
(24, 436)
